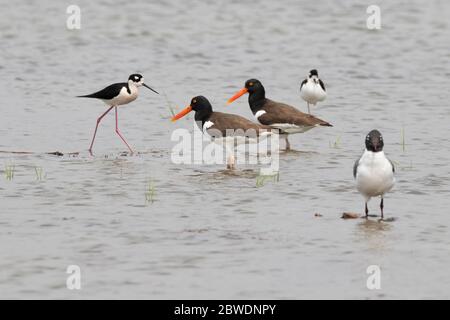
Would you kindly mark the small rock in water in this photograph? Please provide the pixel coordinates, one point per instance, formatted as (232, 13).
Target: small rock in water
(350, 215)
(317, 215)
(56, 153)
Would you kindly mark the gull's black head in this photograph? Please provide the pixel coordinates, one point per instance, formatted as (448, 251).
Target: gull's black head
(200, 103)
(313, 72)
(253, 85)
(374, 141)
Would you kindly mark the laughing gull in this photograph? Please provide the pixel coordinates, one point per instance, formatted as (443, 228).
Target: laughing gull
(373, 171)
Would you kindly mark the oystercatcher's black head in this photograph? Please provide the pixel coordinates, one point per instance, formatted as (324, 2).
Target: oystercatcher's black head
(252, 86)
(199, 104)
(138, 80)
(374, 141)
(313, 72)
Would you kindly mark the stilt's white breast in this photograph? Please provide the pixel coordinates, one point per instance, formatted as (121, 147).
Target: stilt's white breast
(124, 97)
(312, 92)
(374, 175)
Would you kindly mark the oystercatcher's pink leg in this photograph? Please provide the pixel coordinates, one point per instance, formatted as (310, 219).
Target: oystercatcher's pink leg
(96, 127)
(118, 132)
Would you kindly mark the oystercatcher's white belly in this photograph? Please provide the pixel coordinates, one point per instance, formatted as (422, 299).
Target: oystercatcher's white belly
(291, 128)
(234, 137)
(286, 127)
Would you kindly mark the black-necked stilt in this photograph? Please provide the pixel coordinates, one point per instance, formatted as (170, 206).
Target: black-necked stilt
(115, 95)
(374, 173)
(312, 89)
(225, 129)
(275, 114)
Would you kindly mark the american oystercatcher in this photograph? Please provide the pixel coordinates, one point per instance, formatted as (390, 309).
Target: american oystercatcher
(226, 129)
(115, 95)
(373, 171)
(312, 89)
(275, 114)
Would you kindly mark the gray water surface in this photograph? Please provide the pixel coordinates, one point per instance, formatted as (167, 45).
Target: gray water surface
(207, 233)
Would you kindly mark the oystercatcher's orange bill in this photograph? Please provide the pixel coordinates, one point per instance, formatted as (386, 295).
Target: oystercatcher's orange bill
(182, 113)
(237, 95)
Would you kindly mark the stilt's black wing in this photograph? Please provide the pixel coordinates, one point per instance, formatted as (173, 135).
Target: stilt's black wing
(109, 92)
(322, 85)
(303, 82)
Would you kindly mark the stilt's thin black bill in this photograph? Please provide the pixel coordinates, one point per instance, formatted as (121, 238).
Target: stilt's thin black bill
(150, 88)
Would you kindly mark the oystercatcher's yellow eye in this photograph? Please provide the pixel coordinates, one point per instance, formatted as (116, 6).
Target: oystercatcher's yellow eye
(250, 84)
(195, 101)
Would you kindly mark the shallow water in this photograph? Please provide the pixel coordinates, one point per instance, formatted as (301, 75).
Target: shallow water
(206, 233)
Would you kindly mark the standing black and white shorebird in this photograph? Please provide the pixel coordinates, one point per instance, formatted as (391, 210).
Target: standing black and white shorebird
(312, 89)
(374, 172)
(276, 114)
(115, 95)
(225, 129)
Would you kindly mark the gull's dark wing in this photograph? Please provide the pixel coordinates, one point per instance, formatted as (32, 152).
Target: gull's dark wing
(109, 92)
(392, 164)
(355, 167)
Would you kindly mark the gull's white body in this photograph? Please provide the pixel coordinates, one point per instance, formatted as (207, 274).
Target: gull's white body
(374, 174)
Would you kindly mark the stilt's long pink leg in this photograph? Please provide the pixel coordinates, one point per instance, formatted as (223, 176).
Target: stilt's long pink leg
(118, 132)
(96, 127)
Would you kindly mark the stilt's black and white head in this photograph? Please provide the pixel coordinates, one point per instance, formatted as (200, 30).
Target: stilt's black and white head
(374, 141)
(314, 75)
(313, 72)
(138, 80)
